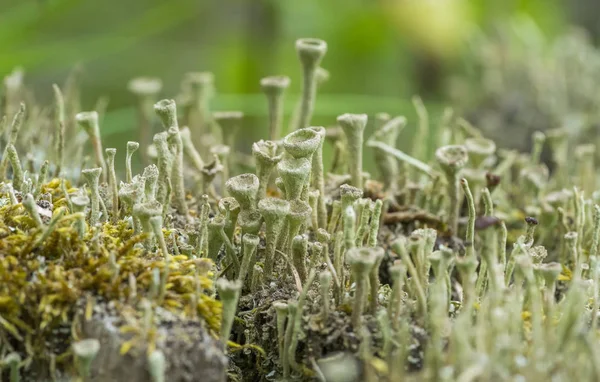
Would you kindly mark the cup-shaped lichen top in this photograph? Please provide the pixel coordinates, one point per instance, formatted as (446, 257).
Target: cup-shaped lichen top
(388, 133)
(217, 223)
(265, 153)
(295, 173)
(86, 349)
(132, 147)
(321, 132)
(228, 289)
(397, 270)
(311, 51)
(229, 292)
(352, 122)
(425, 236)
(228, 119)
(157, 366)
(151, 175)
(549, 272)
(273, 209)
(353, 126)
(302, 143)
(12, 360)
(166, 110)
(145, 86)
(349, 194)
(147, 210)
(466, 265)
(230, 205)
(110, 155)
(274, 85)
(80, 202)
(281, 307)
(299, 212)
(88, 120)
(132, 192)
(558, 142)
(92, 175)
(244, 189)
(215, 229)
(200, 83)
(230, 122)
(266, 157)
(452, 158)
(250, 240)
(250, 221)
(479, 149)
(210, 170)
(362, 259)
(339, 366)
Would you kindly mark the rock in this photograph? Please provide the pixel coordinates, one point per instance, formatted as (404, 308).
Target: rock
(191, 353)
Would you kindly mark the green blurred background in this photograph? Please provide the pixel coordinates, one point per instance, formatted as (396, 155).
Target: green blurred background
(381, 52)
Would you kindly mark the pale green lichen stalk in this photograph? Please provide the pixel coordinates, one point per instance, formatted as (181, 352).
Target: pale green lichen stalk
(88, 121)
(353, 126)
(274, 88)
(310, 52)
(167, 112)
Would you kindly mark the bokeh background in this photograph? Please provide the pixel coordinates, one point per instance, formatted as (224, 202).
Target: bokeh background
(381, 52)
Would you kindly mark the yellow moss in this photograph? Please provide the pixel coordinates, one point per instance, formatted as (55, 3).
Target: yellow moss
(566, 274)
(125, 347)
(234, 347)
(41, 287)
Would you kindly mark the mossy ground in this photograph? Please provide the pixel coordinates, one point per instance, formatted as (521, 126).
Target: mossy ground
(45, 287)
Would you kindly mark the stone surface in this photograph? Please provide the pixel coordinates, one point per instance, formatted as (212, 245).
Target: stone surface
(191, 353)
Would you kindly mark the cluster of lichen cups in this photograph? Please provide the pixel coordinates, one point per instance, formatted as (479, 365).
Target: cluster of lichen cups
(389, 259)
